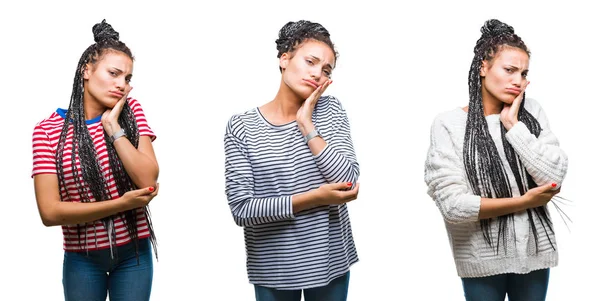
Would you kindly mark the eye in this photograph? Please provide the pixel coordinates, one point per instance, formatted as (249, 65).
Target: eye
(112, 73)
(327, 73)
(508, 70)
(310, 62)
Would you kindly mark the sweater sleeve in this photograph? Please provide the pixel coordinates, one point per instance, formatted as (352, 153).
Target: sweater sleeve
(542, 157)
(337, 161)
(239, 184)
(445, 178)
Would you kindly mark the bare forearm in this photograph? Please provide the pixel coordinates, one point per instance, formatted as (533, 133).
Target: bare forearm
(305, 200)
(491, 208)
(142, 170)
(71, 213)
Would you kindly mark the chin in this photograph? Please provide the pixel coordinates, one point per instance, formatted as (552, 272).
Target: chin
(111, 103)
(304, 92)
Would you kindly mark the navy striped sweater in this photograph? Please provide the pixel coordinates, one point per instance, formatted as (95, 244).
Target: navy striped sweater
(265, 165)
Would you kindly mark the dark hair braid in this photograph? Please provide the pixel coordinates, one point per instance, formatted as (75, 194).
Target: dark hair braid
(292, 34)
(483, 165)
(91, 179)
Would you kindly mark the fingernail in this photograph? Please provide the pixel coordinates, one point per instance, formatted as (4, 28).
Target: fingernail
(349, 183)
(331, 82)
(553, 184)
(151, 188)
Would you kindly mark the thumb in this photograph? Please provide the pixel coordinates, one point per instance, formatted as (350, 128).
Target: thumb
(341, 185)
(550, 186)
(145, 191)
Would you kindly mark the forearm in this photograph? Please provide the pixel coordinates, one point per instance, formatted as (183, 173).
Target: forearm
(71, 213)
(491, 208)
(142, 169)
(306, 200)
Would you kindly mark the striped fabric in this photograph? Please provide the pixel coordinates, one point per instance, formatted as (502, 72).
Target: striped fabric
(265, 166)
(45, 140)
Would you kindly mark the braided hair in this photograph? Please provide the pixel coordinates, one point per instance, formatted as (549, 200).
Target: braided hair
(483, 165)
(91, 180)
(293, 34)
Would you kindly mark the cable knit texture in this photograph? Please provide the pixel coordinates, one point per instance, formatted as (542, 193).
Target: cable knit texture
(448, 186)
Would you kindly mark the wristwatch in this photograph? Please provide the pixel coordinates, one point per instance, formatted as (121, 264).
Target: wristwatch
(120, 133)
(314, 133)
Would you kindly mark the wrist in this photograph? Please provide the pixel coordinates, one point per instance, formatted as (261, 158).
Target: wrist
(125, 203)
(305, 127)
(111, 129)
(521, 202)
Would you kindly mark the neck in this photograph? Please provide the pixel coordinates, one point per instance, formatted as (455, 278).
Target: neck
(491, 105)
(285, 105)
(91, 107)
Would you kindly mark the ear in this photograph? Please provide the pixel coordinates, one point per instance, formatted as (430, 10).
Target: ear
(484, 68)
(86, 71)
(284, 60)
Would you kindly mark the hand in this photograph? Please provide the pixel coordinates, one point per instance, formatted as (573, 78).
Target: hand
(540, 196)
(509, 114)
(304, 114)
(337, 193)
(140, 197)
(110, 117)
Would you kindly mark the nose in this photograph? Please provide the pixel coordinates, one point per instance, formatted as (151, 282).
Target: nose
(120, 83)
(315, 74)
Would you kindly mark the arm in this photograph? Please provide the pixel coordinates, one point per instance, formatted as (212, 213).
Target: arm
(334, 154)
(542, 157)
(140, 164)
(449, 188)
(54, 212)
(248, 210)
(51, 209)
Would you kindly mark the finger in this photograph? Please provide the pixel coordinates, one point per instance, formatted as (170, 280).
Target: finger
(119, 106)
(340, 185)
(322, 89)
(105, 115)
(517, 102)
(145, 191)
(549, 187)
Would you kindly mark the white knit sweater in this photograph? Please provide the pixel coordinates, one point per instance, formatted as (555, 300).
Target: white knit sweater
(449, 187)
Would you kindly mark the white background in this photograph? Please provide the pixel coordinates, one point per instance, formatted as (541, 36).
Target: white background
(196, 66)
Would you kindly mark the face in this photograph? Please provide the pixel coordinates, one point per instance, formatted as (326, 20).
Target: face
(506, 75)
(108, 80)
(308, 67)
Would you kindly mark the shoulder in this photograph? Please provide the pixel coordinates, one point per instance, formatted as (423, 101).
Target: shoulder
(533, 106)
(237, 122)
(329, 103)
(456, 117)
(51, 123)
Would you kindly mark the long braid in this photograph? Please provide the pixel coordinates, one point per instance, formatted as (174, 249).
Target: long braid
(91, 179)
(483, 164)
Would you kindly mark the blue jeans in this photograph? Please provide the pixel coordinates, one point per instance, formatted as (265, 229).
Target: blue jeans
(336, 290)
(519, 287)
(89, 276)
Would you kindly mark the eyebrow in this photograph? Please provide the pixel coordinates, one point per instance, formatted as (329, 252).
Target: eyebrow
(318, 59)
(515, 67)
(127, 76)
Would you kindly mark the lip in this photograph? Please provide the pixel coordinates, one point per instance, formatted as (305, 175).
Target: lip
(514, 91)
(117, 94)
(311, 82)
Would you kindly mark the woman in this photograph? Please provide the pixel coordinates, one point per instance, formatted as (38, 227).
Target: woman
(104, 216)
(491, 169)
(290, 170)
